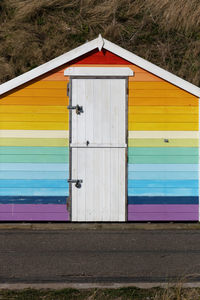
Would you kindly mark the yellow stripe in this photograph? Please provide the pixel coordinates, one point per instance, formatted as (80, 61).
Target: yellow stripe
(52, 93)
(162, 143)
(34, 117)
(29, 142)
(34, 126)
(161, 118)
(163, 109)
(159, 93)
(25, 109)
(163, 126)
(48, 85)
(156, 86)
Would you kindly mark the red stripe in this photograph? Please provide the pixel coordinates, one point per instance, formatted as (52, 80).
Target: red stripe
(100, 57)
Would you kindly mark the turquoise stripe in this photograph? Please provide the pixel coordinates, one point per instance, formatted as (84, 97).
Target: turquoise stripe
(163, 192)
(34, 192)
(163, 167)
(34, 158)
(179, 159)
(33, 175)
(62, 167)
(163, 183)
(163, 175)
(34, 150)
(138, 151)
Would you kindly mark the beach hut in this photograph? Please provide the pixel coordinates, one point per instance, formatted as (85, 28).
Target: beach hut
(99, 134)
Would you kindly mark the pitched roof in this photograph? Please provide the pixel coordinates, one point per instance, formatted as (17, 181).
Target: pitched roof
(89, 46)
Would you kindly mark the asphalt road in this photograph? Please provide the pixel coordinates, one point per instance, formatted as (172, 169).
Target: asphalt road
(88, 256)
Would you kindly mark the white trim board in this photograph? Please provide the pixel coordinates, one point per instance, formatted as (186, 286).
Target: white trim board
(89, 46)
(98, 71)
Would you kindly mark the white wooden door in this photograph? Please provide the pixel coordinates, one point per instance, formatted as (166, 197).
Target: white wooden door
(98, 149)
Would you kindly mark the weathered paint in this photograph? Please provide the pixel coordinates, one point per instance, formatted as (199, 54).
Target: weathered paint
(162, 177)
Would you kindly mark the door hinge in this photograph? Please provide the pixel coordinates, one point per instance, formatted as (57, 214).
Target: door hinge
(68, 89)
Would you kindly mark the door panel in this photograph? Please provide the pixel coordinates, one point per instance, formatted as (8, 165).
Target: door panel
(102, 193)
(102, 122)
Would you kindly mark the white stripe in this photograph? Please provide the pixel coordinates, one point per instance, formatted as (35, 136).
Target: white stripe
(163, 134)
(59, 134)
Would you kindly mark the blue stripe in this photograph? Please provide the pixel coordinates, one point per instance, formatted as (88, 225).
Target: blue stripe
(163, 183)
(163, 167)
(163, 175)
(33, 175)
(32, 200)
(34, 192)
(60, 167)
(34, 184)
(150, 192)
(163, 200)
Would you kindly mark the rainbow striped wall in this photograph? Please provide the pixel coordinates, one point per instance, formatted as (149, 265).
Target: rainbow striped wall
(162, 153)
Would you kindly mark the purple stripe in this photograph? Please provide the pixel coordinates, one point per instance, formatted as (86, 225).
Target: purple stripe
(163, 213)
(163, 208)
(31, 212)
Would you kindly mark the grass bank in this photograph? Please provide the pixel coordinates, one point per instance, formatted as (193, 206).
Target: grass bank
(177, 293)
(165, 32)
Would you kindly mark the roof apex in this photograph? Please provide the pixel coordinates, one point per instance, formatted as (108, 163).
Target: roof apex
(99, 43)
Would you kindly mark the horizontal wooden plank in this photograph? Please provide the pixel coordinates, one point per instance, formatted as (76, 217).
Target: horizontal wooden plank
(54, 118)
(46, 93)
(36, 183)
(154, 86)
(180, 159)
(163, 109)
(163, 167)
(57, 134)
(163, 143)
(61, 84)
(168, 93)
(24, 216)
(161, 101)
(150, 192)
(34, 191)
(34, 142)
(34, 126)
(163, 126)
(141, 200)
(56, 167)
(33, 209)
(34, 158)
(162, 175)
(34, 151)
(34, 175)
(163, 134)
(35, 101)
(163, 216)
(163, 118)
(163, 208)
(37, 200)
(179, 151)
(158, 183)
(25, 109)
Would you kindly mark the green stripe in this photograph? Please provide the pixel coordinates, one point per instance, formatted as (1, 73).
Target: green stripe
(34, 150)
(138, 151)
(163, 159)
(34, 158)
(161, 143)
(34, 142)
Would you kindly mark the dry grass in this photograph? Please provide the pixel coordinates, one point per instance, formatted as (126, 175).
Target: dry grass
(165, 32)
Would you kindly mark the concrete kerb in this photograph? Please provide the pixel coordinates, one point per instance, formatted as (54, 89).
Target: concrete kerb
(99, 226)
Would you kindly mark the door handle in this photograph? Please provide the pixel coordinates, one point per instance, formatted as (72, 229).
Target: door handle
(78, 108)
(76, 181)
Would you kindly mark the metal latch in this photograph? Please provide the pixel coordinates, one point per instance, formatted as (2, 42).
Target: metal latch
(79, 109)
(76, 181)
